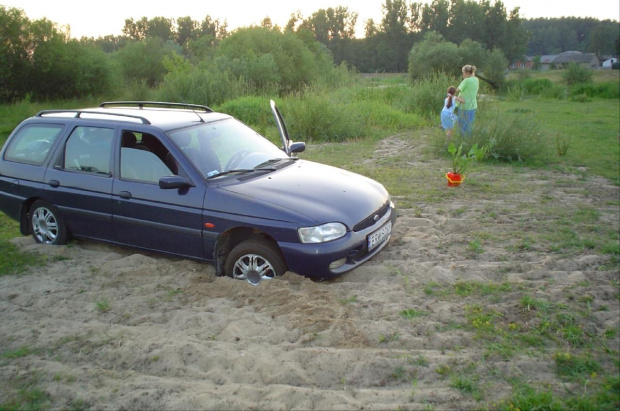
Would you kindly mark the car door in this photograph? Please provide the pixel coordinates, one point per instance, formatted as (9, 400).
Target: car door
(146, 215)
(80, 182)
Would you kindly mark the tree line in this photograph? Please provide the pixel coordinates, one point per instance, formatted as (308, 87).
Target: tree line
(39, 60)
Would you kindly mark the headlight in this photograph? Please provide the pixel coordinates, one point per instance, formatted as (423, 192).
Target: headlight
(322, 233)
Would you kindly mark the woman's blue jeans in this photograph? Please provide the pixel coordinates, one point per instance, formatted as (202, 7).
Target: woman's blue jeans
(466, 121)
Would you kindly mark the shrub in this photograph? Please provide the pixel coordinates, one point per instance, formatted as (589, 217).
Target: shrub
(385, 117)
(577, 74)
(606, 90)
(510, 137)
(250, 109)
(540, 87)
(426, 97)
(316, 118)
(433, 55)
(269, 59)
(203, 84)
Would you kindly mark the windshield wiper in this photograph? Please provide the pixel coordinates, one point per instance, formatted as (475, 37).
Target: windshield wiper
(275, 160)
(235, 171)
(261, 167)
(239, 171)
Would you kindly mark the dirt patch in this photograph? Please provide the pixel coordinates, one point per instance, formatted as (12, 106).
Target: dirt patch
(109, 328)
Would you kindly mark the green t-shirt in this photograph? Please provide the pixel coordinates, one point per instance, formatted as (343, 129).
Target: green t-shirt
(469, 91)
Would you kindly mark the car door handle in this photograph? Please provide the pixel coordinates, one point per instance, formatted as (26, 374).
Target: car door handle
(54, 183)
(125, 194)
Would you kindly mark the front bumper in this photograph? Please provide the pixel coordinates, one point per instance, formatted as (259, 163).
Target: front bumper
(314, 260)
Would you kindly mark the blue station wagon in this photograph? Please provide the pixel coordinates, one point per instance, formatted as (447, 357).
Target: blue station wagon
(184, 180)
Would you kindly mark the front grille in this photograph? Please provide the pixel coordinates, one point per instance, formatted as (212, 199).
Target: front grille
(370, 220)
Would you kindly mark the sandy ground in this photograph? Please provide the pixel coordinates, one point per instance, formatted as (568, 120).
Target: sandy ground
(112, 328)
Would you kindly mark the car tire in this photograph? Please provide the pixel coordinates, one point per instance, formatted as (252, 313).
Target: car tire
(254, 261)
(46, 224)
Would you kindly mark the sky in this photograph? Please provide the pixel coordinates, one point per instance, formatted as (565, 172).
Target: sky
(99, 18)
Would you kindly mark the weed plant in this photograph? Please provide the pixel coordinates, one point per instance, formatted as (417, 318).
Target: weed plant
(577, 74)
(252, 110)
(201, 85)
(510, 136)
(426, 97)
(316, 118)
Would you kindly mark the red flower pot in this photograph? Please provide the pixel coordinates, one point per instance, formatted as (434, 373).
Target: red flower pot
(455, 179)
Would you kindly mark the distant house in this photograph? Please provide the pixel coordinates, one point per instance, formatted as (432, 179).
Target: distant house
(587, 60)
(607, 64)
(546, 61)
(525, 63)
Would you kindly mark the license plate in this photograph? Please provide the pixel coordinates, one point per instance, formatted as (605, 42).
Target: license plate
(379, 236)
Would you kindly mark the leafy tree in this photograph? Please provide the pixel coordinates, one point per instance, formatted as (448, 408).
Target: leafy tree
(136, 30)
(266, 23)
(336, 29)
(215, 29)
(602, 38)
(396, 41)
(187, 29)
(483, 22)
(108, 44)
(494, 69)
(473, 53)
(142, 61)
(554, 36)
(577, 74)
(434, 55)
(161, 27)
(203, 83)
(269, 59)
(435, 17)
(39, 60)
(466, 21)
(495, 29)
(516, 37)
(15, 48)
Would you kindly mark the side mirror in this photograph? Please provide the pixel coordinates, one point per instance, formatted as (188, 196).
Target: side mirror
(173, 182)
(298, 147)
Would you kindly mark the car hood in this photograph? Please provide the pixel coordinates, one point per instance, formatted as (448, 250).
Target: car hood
(319, 192)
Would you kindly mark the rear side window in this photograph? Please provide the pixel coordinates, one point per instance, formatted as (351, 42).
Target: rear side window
(32, 143)
(89, 149)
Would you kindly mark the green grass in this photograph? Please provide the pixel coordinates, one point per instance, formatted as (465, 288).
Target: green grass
(592, 128)
(18, 353)
(12, 261)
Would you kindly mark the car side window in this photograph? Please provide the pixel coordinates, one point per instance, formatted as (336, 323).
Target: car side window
(89, 149)
(144, 158)
(32, 143)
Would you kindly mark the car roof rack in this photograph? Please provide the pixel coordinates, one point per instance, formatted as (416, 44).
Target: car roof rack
(161, 104)
(79, 113)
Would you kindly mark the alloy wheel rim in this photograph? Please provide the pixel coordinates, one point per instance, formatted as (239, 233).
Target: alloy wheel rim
(45, 225)
(253, 268)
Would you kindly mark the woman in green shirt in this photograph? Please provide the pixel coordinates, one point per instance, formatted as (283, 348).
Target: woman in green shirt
(467, 93)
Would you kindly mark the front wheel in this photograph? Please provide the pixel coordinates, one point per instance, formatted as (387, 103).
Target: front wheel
(46, 224)
(254, 261)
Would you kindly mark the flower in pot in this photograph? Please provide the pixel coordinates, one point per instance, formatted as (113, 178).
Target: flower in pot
(462, 161)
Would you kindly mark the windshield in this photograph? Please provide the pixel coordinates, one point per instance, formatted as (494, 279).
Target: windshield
(225, 145)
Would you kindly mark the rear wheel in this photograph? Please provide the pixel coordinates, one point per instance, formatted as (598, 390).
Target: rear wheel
(254, 261)
(46, 224)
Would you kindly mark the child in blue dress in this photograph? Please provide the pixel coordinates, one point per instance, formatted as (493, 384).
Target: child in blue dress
(448, 118)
